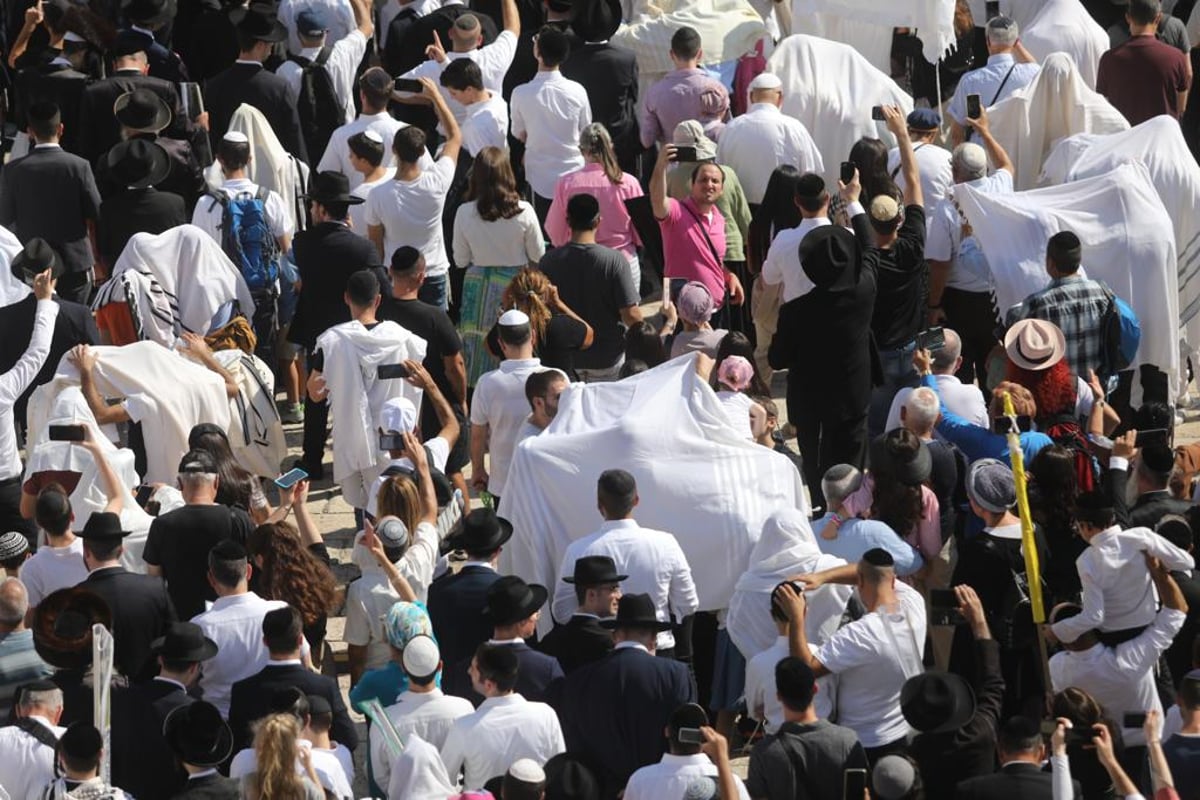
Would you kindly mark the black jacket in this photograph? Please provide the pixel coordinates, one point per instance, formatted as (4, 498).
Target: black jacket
(610, 75)
(164, 64)
(266, 91)
(210, 787)
(581, 641)
(251, 697)
(1020, 780)
(96, 110)
(1148, 509)
(52, 194)
(456, 603)
(136, 211)
(538, 676)
(73, 325)
(327, 255)
(52, 83)
(163, 696)
(141, 612)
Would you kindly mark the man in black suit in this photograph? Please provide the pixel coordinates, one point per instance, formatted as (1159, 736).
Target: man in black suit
(1021, 751)
(138, 166)
(141, 610)
(614, 711)
(251, 697)
(455, 600)
(583, 639)
(142, 114)
(201, 741)
(145, 18)
(55, 78)
(180, 652)
(1152, 473)
(52, 194)
(247, 81)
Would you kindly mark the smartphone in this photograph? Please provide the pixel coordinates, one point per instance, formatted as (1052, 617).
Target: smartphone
(1003, 425)
(1134, 720)
(1148, 436)
(290, 478)
(974, 109)
(854, 784)
(943, 608)
(877, 113)
(66, 433)
(848, 170)
(691, 736)
(409, 85)
(931, 338)
(391, 441)
(1072, 736)
(387, 372)
(144, 493)
(992, 9)
(685, 154)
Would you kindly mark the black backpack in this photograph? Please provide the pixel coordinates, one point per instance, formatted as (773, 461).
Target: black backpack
(321, 113)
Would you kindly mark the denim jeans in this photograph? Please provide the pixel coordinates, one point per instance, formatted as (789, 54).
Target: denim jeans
(898, 373)
(435, 291)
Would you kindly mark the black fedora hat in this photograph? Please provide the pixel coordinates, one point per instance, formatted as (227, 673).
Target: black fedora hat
(103, 525)
(511, 599)
(636, 611)
(331, 187)
(593, 571)
(937, 702)
(147, 12)
(259, 22)
(62, 626)
(596, 20)
(830, 256)
(198, 735)
(481, 531)
(138, 163)
(184, 641)
(35, 257)
(143, 111)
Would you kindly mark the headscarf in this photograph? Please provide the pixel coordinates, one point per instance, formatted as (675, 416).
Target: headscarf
(419, 774)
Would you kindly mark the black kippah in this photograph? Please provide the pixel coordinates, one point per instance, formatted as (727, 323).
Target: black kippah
(878, 557)
(810, 185)
(81, 741)
(228, 550)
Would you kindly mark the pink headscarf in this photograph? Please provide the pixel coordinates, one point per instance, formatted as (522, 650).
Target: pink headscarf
(736, 373)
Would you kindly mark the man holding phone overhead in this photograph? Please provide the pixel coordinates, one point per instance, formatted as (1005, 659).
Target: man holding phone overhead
(1009, 67)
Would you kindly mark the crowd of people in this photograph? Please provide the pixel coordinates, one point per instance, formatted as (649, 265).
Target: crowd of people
(450, 236)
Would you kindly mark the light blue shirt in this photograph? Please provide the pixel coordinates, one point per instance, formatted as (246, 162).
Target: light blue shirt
(986, 82)
(857, 536)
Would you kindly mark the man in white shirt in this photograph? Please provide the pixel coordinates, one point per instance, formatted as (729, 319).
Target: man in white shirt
(548, 114)
(1121, 678)
(872, 656)
(485, 114)
(671, 778)
(59, 562)
(408, 209)
(499, 407)
(542, 390)
(27, 748)
(366, 156)
(504, 728)
(652, 559)
(339, 58)
(933, 161)
(374, 91)
(763, 138)
(1009, 67)
(965, 400)
(340, 14)
(422, 709)
(233, 154)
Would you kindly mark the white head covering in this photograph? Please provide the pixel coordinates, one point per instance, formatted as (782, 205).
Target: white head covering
(418, 773)
(11, 289)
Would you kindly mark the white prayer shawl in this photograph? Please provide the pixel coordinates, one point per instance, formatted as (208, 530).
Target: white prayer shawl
(174, 282)
(786, 547)
(874, 42)
(353, 355)
(1051, 26)
(270, 164)
(1158, 144)
(934, 19)
(419, 774)
(255, 430)
(831, 88)
(1128, 243)
(88, 497)
(1055, 105)
(175, 392)
(11, 289)
(697, 478)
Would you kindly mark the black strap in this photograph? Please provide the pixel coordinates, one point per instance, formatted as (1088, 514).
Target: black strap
(712, 248)
(896, 171)
(1003, 83)
(38, 731)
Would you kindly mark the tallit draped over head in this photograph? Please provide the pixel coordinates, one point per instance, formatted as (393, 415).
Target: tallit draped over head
(418, 773)
(1050, 26)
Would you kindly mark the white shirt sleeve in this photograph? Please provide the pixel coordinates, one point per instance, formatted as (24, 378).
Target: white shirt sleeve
(772, 269)
(453, 752)
(683, 590)
(850, 646)
(516, 116)
(343, 62)
(1092, 616)
(1170, 555)
(939, 241)
(1138, 655)
(422, 555)
(535, 246)
(495, 59)
(371, 207)
(439, 451)
(17, 379)
(462, 243)
(358, 630)
(277, 217)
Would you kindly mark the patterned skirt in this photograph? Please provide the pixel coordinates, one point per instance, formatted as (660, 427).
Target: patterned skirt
(482, 289)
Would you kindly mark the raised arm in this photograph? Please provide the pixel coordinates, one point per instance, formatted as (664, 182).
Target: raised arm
(445, 118)
(420, 377)
(194, 343)
(510, 17)
(85, 358)
(658, 183)
(17, 379)
(996, 153)
(897, 124)
(113, 490)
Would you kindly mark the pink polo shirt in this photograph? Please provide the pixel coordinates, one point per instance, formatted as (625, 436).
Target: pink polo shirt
(616, 229)
(685, 250)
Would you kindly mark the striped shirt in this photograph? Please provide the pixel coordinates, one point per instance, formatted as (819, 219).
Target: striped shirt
(1076, 305)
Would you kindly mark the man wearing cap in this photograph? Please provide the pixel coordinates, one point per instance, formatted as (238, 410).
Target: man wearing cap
(1009, 67)
(687, 92)
(146, 18)
(675, 775)
(137, 166)
(27, 747)
(374, 92)
(246, 81)
(202, 742)
(142, 114)
(763, 138)
(583, 639)
(456, 598)
(933, 160)
(180, 652)
(1152, 477)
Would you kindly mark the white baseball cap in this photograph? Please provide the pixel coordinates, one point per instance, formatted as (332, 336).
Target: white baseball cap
(398, 414)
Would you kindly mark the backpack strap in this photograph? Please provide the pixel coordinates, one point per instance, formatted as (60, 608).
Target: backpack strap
(1003, 83)
(323, 57)
(37, 731)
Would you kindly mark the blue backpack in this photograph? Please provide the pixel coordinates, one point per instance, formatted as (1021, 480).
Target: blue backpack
(1122, 333)
(246, 237)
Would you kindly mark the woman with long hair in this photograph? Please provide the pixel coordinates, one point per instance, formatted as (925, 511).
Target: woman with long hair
(414, 504)
(1084, 711)
(236, 487)
(277, 750)
(496, 235)
(870, 157)
(602, 178)
(558, 332)
(777, 212)
(1052, 492)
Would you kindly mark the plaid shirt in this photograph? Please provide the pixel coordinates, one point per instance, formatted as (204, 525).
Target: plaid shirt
(1077, 306)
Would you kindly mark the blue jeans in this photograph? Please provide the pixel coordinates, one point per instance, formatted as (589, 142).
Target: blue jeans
(435, 291)
(898, 373)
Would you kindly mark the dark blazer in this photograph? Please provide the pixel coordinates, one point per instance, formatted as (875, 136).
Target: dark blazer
(141, 612)
(266, 91)
(326, 255)
(96, 110)
(1026, 781)
(210, 787)
(537, 676)
(581, 641)
(164, 64)
(163, 696)
(613, 711)
(1148, 509)
(610, 75)
(53, 83)
(455, 605)
(133, 211)
(74, 325)
(251, 697)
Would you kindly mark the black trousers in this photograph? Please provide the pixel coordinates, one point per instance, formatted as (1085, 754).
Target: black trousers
(831, 423)
(316, 431)
(972, 315)
(75, 286)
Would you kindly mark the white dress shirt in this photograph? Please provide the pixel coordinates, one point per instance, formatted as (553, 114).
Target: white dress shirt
(782, 264)
(337, 152)
(368, 600)
(209, 213)
(549, 113)
(1121, 678)
(429, 715)
(338, 12)
(761, 699)
(669, 778)
(486, 742)
(652, 559)
(344, 57)
(411, 214)
(17, 380)
(873, 657)
(760, 140)
(500, 404)
(962, 399)
(493, 60)
(1118, 593)
(26, 765)
(934, 167)
(485, 124)
(234, 622)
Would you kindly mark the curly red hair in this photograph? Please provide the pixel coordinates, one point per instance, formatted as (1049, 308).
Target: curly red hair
(1053, 389)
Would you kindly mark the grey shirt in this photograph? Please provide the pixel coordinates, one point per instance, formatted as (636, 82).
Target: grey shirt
(1171, 31)
(803, 760)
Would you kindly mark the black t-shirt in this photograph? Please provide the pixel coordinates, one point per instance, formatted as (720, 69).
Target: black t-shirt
(441, 338)
(560, 350)
(179, 542)
(903, 284)
(595, 282)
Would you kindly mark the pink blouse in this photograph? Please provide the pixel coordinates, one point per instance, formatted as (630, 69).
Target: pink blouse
(616, 229)
(926, 535)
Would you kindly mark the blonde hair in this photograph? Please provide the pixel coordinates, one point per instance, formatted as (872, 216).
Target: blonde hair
(276, 749)
(529, 291)
(399, 497)
(596, 143)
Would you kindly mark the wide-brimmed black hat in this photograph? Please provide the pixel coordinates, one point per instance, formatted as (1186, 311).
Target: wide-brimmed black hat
(147, 12)
(198, 735)
(831, 257)
(593, 571)
(127, 42)
(184, 641)
(143, 111)
(908, 467)
(138, 163)
(103, 525)
(937, 702)
(636, 611)
(481, 531)
(36, 257)
(596, 20)
(331, 187)
(62, 626)
(257, 23)
(567, 776)
(511, 599)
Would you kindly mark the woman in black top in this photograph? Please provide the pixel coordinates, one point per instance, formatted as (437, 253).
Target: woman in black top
(558, 332)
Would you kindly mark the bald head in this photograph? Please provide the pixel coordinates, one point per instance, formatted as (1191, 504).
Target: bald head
(945, 361)
(14, 603)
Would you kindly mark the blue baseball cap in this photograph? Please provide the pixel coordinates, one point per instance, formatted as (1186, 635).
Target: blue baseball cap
(312, 22)
(923, 119)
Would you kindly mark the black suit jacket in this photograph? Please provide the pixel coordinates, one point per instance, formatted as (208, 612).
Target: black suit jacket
(581, 641)
(52, 83)
(136, 211)
(52, 194)
(455, 606)
(266, 91)
(96, 110)
(73, 325)
(210, 787)
(141, 612)
(327, 255)
(610, 75)
(163, 696)
(251, 697)
(538, 676)
(1026, 781)
(613, 711)
(1148, 509)
(164, 64)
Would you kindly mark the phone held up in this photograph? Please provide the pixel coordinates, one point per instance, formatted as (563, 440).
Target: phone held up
(974, 107)
(290, 478)
(877, 113)
(65, 433)
(931, 338)
(684, 153)
(387, 372)
(409, 85)
(848, 170)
